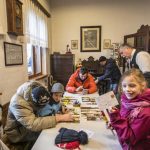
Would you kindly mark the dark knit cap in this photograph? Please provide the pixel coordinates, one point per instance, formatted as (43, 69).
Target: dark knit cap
(40, 95)
(102, 58)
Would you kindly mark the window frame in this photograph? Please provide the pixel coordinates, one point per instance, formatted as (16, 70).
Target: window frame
(34, 62)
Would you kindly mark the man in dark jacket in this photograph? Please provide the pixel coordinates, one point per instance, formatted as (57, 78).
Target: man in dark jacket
(111, 71)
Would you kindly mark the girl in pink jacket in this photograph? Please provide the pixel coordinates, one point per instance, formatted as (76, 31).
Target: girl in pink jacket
(132, 122)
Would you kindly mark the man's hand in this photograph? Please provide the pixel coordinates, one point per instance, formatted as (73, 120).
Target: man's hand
(65, 117)
(80, 88)
(96, 81)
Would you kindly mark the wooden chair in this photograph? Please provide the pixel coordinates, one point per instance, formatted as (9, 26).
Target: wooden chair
(93, 66)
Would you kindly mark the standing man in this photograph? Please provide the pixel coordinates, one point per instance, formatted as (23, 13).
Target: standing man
(138, 59)
(111, 71)
(81, 82)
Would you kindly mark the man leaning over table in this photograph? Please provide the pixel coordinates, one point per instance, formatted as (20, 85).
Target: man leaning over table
(81, 82)
(23, 121)
(138, 59)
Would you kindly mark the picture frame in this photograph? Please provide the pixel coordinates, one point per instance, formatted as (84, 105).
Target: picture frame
(130, 39)
(90, 38)
(13, 54)
(74, 44)
(107, 43)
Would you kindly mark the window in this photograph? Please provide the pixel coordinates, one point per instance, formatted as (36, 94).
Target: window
(34, 59)
(36, 34)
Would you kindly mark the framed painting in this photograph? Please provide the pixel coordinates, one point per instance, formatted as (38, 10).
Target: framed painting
(90, 38)
(107, 43)
(74, 44)
(13, 54)
(130, 39)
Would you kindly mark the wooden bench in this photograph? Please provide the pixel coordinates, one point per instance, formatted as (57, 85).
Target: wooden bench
(93, 66)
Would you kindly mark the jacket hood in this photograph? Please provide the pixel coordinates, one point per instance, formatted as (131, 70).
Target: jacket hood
(25, 89)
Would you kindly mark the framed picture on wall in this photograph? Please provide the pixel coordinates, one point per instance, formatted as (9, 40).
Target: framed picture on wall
(130, 39)
(74, 44)
(107, 43)
(13, 54)
(90, 38)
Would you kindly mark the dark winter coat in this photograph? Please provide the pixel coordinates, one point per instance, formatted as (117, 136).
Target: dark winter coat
(111, 70)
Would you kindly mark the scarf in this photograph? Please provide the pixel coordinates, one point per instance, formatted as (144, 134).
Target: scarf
(131, 108)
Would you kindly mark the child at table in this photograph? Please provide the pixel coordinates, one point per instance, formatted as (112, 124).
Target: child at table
(54, 106)
(132, 122)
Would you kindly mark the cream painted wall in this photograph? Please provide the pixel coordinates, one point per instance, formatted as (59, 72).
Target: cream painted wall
(11, 76)
(117, 18)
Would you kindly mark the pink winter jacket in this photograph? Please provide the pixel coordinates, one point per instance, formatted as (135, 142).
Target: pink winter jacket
(132, 123)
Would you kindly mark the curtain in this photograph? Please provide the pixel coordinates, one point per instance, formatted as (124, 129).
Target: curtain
(35, 25)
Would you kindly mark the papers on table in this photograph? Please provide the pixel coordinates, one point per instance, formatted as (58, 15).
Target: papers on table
(107, 100)
(81, 95)
(83, 107)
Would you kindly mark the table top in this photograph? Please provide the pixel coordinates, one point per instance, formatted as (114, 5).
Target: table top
(102, 138)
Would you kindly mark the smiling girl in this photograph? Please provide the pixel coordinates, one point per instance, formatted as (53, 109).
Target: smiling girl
(132, 122)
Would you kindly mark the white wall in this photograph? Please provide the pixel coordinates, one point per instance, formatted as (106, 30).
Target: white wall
(11, 76)
(117, 18)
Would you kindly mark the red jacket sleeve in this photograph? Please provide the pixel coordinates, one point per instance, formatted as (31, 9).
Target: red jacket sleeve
(70, 87)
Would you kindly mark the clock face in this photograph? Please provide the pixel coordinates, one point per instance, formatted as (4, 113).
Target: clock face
(17, 9)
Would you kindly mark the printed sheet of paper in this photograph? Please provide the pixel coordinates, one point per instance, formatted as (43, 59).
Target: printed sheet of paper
(81, 95)
(107, 100)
